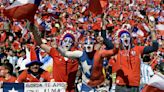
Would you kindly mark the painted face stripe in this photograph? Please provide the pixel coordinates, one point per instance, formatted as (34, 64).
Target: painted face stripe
(89, 41)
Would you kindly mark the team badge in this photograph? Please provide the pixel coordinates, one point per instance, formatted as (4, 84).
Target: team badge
(133, 53)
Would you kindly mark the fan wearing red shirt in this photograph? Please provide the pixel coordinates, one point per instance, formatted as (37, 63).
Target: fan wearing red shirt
(128, 59)
(91, 63)
(64, 69)
(34, 73)
(6, 72)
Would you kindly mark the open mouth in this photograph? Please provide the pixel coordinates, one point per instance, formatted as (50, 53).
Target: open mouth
(126, 41)
(88, 47)
(66, 46)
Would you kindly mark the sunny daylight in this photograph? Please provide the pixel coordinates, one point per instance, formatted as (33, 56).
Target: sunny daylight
(81, 45)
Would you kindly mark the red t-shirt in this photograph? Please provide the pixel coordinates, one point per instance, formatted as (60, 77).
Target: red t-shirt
(11, 79)
(27, 77)
(97, 74)
(128, 66)
(64, 70)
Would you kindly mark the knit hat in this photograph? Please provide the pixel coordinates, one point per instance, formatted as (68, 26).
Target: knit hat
(68, 33)
(123, 31)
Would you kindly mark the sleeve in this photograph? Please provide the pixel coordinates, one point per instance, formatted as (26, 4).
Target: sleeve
(70, 54)
(53, 52)
(140, 48)
(149, 49)
(22, 77)
(107, 42)
(108, 53)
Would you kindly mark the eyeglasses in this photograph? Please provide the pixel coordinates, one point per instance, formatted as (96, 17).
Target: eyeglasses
(35, 67)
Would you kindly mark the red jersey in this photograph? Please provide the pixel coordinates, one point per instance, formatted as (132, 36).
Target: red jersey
(127, 66)
(97, 76)
(64, 70)
(11, 79)
(25, 76)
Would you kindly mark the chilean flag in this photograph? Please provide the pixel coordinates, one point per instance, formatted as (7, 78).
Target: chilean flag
(95, 7)
(13, 87)
(22, 9)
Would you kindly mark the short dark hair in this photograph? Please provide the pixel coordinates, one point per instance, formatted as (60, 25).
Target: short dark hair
(6, 61)
(146, 58)
(8, 66)
(160, 67)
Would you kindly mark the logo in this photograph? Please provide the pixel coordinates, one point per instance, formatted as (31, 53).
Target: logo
(133, 53)
(13, 87)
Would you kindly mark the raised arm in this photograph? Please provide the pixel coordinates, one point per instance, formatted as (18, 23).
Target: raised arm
(37, 38)
(107, 42)
(70, 54)
(108, 53)
(154, 47)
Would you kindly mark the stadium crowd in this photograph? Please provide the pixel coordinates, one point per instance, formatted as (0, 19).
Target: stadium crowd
(123, 46)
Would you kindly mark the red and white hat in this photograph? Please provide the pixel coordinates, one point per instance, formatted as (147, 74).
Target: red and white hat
(120, 32)
(68, 33)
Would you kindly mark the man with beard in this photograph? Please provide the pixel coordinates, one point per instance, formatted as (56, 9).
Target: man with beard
(127, 66)
(64, 69)
(34, 73)
(91, 63)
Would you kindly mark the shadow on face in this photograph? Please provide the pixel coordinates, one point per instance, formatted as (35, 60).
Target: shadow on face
(34, 68)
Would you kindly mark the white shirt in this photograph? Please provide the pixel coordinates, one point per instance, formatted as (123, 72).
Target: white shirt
(157, 81)
(23, 61)
(146, 73)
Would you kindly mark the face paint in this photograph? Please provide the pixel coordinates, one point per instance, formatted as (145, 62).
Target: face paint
(67, 43)
(125, 39)
(88, 45)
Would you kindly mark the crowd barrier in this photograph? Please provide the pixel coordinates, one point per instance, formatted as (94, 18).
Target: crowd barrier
(34, 87)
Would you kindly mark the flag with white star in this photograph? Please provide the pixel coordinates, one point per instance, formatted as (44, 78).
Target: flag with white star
(87, 68)
(13, 87)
